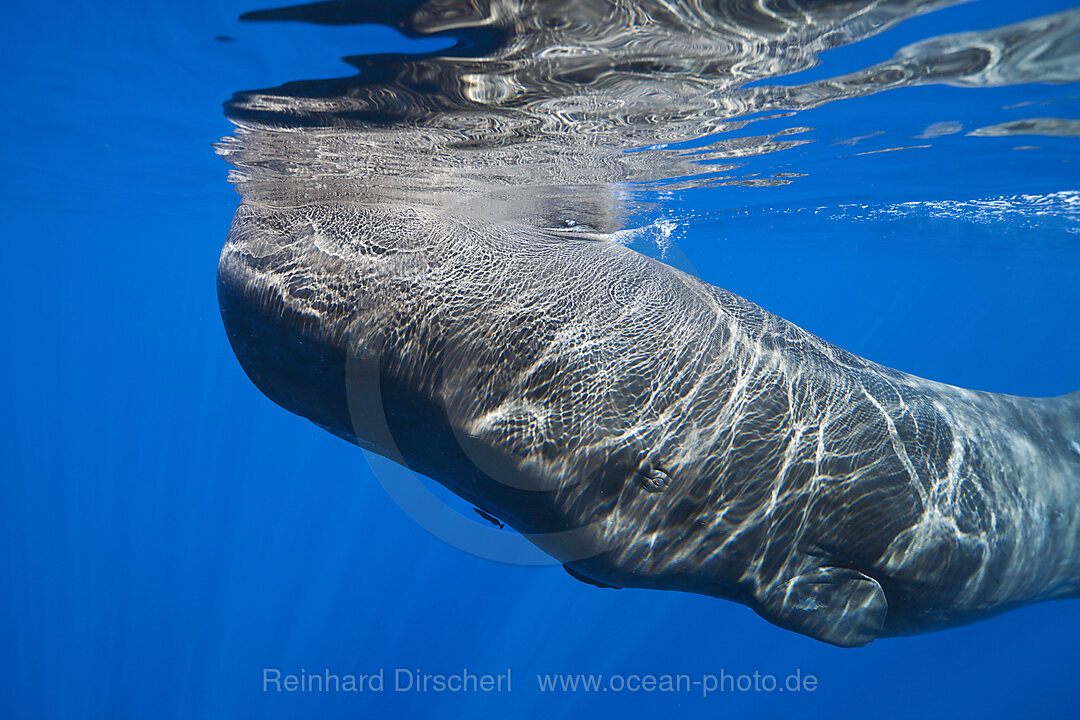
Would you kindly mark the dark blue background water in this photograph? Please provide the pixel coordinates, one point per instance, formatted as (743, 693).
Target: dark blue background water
(166, 533)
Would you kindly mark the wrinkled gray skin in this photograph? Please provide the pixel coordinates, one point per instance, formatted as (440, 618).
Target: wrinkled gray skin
(699, 442)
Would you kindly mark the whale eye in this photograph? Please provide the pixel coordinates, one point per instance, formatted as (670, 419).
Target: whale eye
(654, 480)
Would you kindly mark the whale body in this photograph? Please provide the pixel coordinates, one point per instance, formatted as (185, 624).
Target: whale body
(423, 263)
(686, 438)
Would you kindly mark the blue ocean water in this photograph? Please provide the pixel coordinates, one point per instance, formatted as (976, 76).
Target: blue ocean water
(167, 534)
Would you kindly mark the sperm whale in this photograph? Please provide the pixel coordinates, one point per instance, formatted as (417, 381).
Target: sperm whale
(423, 263)
(692, 440)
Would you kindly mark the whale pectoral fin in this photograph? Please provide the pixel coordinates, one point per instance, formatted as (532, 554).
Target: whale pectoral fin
(835, 605)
